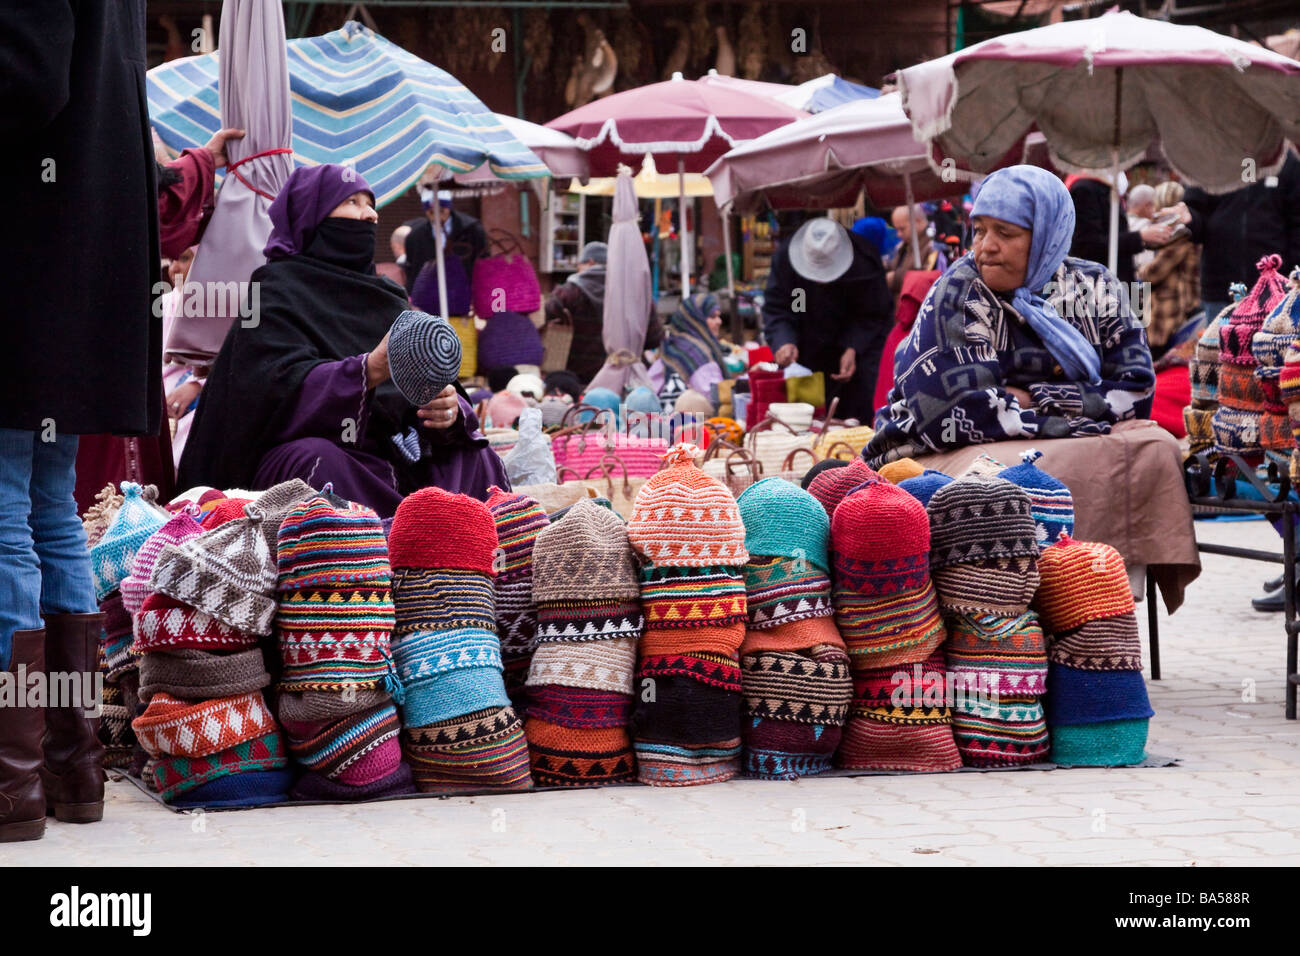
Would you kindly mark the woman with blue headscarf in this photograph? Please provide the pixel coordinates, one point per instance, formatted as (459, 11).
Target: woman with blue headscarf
(691, 355)
(1016, 339)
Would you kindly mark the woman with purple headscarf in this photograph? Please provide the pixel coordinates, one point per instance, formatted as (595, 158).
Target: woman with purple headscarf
(301, 389)
(1016, 339)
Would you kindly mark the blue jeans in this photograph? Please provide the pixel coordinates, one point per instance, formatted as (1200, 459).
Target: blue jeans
(44, 564)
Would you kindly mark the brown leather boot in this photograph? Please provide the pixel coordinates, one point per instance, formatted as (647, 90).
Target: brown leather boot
(22, 798)
(73, 773)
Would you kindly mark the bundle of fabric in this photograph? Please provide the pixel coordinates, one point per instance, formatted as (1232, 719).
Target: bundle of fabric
(589, 623)
(1237, 421)
(1270, 346)
(686, 529)
(984, 559)
(206, 726)
(794, 671)
(519, 519)
(112, 558)
(1097, 702)
(459, 730)
(334, 617)
(888, 615)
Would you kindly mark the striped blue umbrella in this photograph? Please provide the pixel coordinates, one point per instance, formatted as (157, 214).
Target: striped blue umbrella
(358, 99)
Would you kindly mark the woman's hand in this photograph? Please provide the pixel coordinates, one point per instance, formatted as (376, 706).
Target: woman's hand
(786, 354)
(180, 398)
(377, 364)
(848, 365)
(1156, 236)
(443, 411)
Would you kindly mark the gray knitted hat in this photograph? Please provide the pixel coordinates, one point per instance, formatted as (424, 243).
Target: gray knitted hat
(202, 675)
(313, 705)
(423, 356)
(585, 556)
(275, 502)
(227, 572)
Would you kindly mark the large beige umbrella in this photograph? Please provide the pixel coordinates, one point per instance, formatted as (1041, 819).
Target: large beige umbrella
(627, 295)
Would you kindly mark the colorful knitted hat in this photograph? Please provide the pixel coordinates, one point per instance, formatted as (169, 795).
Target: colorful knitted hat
(426, 600)
(588, 621)
(566, 756)
(448, 674)
(202, 675)
(223, 511)
(1088, 697)
(680, 597)
(1271, 342)
(424, 356)
(924, 485)
(433, 528)
(888, 631)
(115, 639)
(1248, 316)
(256, 788)
(227, 572)
(881, 537)
(1106, 644)
(166, 624)
(178, 728)
(785, 590)
(335, 612)
(1050, 501)
(831, 485)
(978, 518)
(485, 750)
(783, 520)
(992, 654)
(135, 586)
(111, 556)
(795, 705)
(316, 705)
(585, 556)
(1240, 388)
(1112, 743)
(899, 719)
(519, 520)
(900, 470)
(607, 665)
(687, 732)
(1237, 430)
(998, 586)
(1199, 423)
(728, 429)
(685, 518)
(1082, 581)
(995, 731)
(315, 788)
(275, 504)
(356, 750)
(174, 776)
(794, 636)
(1204, 366)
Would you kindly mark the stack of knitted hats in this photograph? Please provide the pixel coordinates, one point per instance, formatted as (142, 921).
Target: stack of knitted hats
(1097, 703)
(1237, 419)
(1204, 371)
(334, 617)
(984, 559)
(686, 528)
(580, 687)
(112, 557)
(887, 613)
(519, 519)
(1270, 346)
(460, 731)
(207, 727)
(794, 671)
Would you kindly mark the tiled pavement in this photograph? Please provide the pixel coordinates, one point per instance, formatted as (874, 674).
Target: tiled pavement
(1219, 710)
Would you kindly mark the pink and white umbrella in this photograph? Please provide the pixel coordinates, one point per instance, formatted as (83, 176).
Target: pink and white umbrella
(1102, 90)
(687, 121)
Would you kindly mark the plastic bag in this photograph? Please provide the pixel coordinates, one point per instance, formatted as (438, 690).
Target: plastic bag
(531, 461)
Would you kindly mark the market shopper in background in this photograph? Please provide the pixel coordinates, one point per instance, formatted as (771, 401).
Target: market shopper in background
(903, 261)
(1091, 197)
(465, 237)
(827, 306)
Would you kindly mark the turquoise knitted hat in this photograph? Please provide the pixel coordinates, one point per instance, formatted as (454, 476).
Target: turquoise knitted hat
(784, 521)
(1113, 743)
(133, 525)
(1050, 501)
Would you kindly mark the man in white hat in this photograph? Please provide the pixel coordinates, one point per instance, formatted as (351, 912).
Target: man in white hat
(465, 237)
(828, 307)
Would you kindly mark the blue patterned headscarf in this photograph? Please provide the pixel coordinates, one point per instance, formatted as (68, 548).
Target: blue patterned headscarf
(688, 344)
(1036, 200)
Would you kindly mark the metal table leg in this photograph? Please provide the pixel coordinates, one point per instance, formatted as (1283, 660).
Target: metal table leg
(1288, 588)
(1153, 626)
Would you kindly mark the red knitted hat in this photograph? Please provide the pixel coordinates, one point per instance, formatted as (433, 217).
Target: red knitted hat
(436, 529)
(228, 510)
(685, 518)
(880, 536)
(833, 484)
(165, 624)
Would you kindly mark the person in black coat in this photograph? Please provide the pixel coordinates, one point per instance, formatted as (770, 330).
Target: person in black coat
(1092, 228)
(828, 307)
(83, 355)
(466, 239)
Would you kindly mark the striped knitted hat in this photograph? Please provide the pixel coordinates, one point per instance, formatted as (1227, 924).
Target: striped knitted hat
(889, 630)
(227, 572)
(174, 776)
(924, 485)
(785, 590)
(1270, 343)
(585, 556)
(135, 586)
(992, 586)
(485, 750)
(1204, 366)
(317, 788)
(996, 731)
(1050, 501)
(133, 524)
(795, 705)
(1082, 581)
(356, 750)
(831, 485)
(607, 665)
(1248, 316)
(992, 654)
(115, 639)
(899, 720)
(275, 503)
(519, 520)
(1106, 644)
(685, 518)
(166, 624)
(677, 597)
(567, 756)
(881, 538)
(433, 528)
(783, 520)
(448, 674)
(424, 356)
(978, 518)
(688, 732)
(177, 728)
(224, 510)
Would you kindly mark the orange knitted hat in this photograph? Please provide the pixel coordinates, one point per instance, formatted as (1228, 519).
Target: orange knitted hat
(1081, 581)
(684, 518)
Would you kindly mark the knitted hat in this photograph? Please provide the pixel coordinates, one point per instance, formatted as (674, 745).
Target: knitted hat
(1082, 581)
(135, 586)
(794, 636)
(1204, 366)
(1106, 644)
(423, 356)
(685, 518)
(832, 484)
(588, 620)
(166, 624)
(316, 788)
(1240, 388)
(728, 429)
(900, 720)
(1199, 423)
(519, 520)
(675, 597)
(227, 572)
(688, 732)
(433, 528)
(977, 518)
(113, 553)
(924, 485)
(510, 338)
(607, 665)
(783, 520)
(275, 503)
(173, 776)
(565, 756)
(992, 586)
(1050, 501)
(900, 470)
(994, 731)
(356, 750)
(810, 687)
(448, 674)
(887, 631)
(1248, 316)
(115, 639)
(442, 600)
(1088, 697)
(1112, 743)
(584, 556)
(724, 640)
(881, 537)
(992, 654)
(1270, 343)
(222, 511)
(257, 788)
(178, 728)
(1237, 430)
(784, 590)
(316, 705)
(485, 750)
(202, 675)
